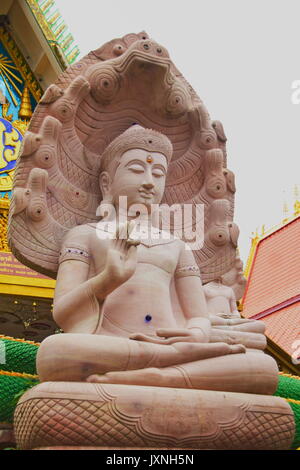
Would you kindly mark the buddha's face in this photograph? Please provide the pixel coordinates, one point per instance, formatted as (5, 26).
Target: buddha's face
(141, 176)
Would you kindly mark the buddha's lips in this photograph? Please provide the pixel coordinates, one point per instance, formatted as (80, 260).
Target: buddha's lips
(146, 194)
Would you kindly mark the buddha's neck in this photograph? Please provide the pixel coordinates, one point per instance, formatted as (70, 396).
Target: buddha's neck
(141, 219)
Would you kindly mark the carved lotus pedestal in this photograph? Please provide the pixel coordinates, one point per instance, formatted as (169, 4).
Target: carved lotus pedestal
(86, 415)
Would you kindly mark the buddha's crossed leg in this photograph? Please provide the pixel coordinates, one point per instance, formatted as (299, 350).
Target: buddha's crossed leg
(242, 373)
(111, 359)
(75, 357)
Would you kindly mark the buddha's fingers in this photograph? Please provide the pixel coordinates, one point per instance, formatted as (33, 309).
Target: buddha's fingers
(238, 349)
(131, 259)
(166, 340)
(130, 227)
(199, 351)
(130, 242)
(172, 332)
(217, 320)
(220, 320)
(240, 321)
(255, 327)
(124, 235)
(120, 238)
(116, 236)
(186, 338)
(181, 339)
(123, 241)
(147, 339)
(234, 337)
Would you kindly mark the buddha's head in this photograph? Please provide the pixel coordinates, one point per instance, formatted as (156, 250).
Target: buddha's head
(135, 165)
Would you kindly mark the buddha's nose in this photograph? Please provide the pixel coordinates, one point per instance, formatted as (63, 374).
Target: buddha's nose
(148, 184)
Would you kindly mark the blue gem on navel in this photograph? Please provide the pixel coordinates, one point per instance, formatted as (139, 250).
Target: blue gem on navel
(148, 318)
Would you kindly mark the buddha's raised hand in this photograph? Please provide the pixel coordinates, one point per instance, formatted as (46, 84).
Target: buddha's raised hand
(121, 258)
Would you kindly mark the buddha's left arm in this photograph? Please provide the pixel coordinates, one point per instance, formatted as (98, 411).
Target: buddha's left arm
(191, 295)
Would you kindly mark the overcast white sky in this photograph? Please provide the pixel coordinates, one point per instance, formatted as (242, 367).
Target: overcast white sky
(242, 58)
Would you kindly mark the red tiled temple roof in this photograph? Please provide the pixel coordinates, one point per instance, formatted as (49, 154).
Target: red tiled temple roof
(283, 327)
(275, 274)
(273, 289)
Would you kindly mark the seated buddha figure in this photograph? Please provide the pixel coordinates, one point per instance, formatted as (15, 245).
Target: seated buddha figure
(112, 296)
(226, 319)
(221, 300)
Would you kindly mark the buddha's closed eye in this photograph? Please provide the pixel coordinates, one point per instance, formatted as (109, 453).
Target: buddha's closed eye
(136, 168)
(158, 172)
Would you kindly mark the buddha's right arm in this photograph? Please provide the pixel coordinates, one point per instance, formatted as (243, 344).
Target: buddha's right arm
(77, 299)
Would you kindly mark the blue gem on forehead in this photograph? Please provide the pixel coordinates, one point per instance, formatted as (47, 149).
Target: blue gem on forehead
(148, 318)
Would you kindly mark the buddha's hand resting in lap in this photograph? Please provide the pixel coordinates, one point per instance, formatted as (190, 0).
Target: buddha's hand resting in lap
(229, 320)
(121, 258)
(184, 335)
(171, 335)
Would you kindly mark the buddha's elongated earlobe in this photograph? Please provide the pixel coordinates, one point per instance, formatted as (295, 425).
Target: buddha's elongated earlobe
(106, 208)
(104, 183)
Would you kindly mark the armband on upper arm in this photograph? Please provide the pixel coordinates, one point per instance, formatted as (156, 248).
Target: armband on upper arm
(74, 253)
(189, 270)
(187, 265)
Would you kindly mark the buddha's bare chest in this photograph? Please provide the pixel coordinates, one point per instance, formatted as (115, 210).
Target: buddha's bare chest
(216, 292)
(163, 256)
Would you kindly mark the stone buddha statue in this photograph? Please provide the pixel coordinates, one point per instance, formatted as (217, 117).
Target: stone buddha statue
(221, 300)
(226, 321)
(112, 296)
(153, 353)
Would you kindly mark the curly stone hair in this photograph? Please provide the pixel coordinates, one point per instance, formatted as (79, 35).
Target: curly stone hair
(135, 137)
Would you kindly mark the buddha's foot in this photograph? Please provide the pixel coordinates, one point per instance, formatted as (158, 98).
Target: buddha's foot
(237, 373)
